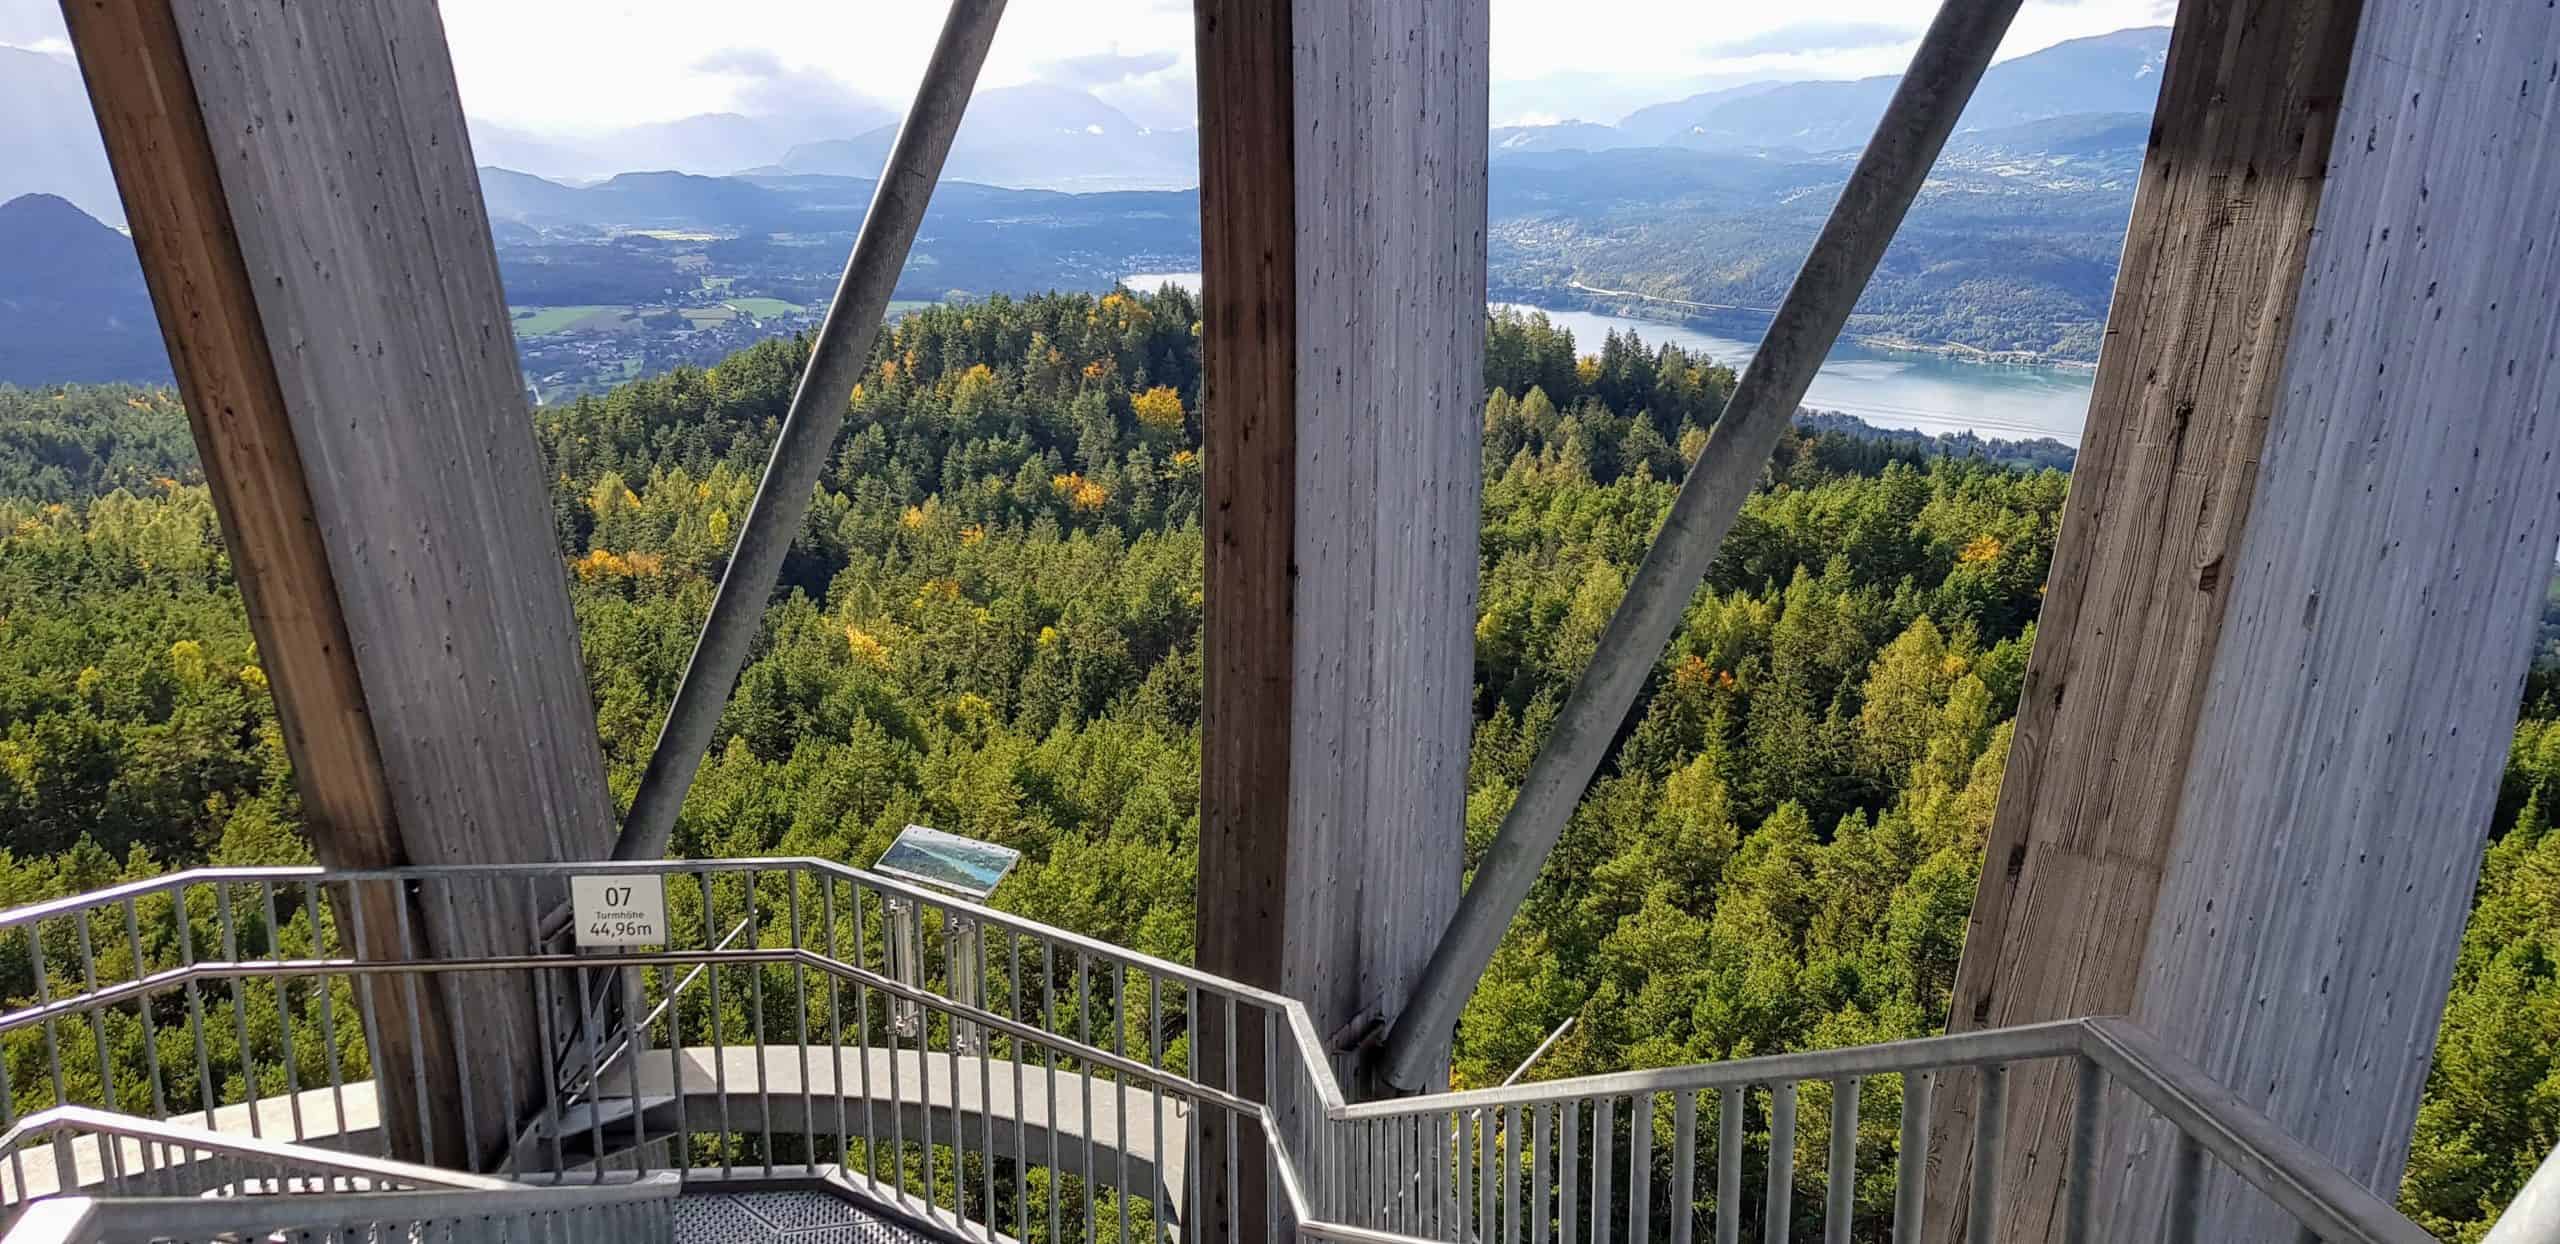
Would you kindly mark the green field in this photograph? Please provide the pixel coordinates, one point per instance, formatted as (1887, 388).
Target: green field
(761, 308)
(542, 321)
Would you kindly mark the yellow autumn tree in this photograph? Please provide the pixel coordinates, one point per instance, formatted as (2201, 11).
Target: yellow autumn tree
(1159, 408)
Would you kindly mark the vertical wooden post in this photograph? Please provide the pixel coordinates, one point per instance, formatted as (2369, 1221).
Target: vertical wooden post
(303, 198)
(2293, 599)
(1342, 219)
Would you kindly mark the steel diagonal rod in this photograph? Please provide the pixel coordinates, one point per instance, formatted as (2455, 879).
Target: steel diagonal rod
(836, 360)
(1888, 176)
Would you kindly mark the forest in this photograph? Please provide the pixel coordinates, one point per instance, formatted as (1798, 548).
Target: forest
(991, 625)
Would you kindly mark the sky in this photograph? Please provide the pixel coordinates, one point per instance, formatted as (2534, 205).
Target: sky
(586, 66)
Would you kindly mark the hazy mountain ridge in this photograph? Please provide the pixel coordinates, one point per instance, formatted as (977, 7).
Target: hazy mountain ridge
(73, 307)
(2012, 248)
(2106, 75)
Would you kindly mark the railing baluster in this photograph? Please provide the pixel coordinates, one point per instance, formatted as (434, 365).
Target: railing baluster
(1514, 1192)
(1120, 1088)
(470, 1144)
(862, 1046)
(719, 1044)
(1684, 1161)
(1604, 1137)
(1841, 1190)
(1021, 1107)
(1193, 1206)
(1155, 1104)
(1569, 1129)
(1640, 1170)
(328, 1015)
(1084, 1084)
(2186, 1189)
(1981, 1224)
(1538, 1175)
(755, 1025)
(1049, 1075)
(1911, 1165)
(835, 1026)
(800, 1023)
(1729, 1166)
(2086, 1112)
(239, 1015)
(284, 1015)
(1464, 1129)
(1782, 1161)
(195, 1010)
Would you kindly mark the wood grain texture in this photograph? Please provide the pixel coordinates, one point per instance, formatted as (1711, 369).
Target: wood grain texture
(1391, 108)
(1248, 348)
(2262, 844)
(144, 97)
(362, 284)
(2188, 377)
(1343, 214)
(2384, 599)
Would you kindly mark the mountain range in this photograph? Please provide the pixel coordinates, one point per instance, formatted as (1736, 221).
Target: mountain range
(72, 303)
(1711, 199)
(2105, 74)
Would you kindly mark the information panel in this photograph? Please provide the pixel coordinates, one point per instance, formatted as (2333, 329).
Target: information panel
(620, 909)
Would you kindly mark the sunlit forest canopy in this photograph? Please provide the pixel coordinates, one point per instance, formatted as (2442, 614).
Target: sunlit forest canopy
(991, 625)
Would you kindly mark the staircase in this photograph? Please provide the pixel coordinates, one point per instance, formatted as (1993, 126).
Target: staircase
(794, 1063)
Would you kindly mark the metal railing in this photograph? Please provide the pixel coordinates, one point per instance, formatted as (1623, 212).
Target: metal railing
(630, 1213)
(157, 1180)
(800, 1022)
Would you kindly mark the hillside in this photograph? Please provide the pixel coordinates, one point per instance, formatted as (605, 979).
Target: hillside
(72, 303)
(991, 624)
(1999, 252)
(2117, 72)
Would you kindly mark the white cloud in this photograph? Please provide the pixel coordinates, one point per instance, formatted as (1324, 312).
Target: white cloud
(587, 65)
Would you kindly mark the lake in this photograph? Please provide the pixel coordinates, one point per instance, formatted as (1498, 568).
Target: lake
(1888, 388)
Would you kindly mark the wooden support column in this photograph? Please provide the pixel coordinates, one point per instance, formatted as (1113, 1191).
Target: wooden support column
(2292, 604)
(1343, 248)
(302, 194)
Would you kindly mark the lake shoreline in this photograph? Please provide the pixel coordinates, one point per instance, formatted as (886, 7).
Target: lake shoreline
(1881, 383)
(1712, 316)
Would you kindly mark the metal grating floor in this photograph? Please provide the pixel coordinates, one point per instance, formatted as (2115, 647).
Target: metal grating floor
(783, 1217)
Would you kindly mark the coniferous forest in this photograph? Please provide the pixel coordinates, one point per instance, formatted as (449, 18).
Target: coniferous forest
(991, 624)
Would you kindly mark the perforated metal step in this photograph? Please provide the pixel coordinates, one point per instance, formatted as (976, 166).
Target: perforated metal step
(796, 1216)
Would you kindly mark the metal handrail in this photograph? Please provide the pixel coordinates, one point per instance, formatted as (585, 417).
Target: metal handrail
(2058, 1038)
(2323, 1198)
(2208, 1119)
(78, 1220)
(106, 1123)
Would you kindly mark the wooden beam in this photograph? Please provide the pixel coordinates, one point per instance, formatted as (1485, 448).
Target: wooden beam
(1342, 211)
(2292, 602)
(304, 201)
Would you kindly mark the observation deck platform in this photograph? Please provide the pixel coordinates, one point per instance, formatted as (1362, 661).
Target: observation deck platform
(821, 1054)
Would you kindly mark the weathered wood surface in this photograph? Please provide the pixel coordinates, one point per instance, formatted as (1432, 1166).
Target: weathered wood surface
(2290, 605)
(310, 224)
(1342, 208)
(1391, 100)
(1342, 212)
(343, 157)
(1248, 348)
(2384, 601)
